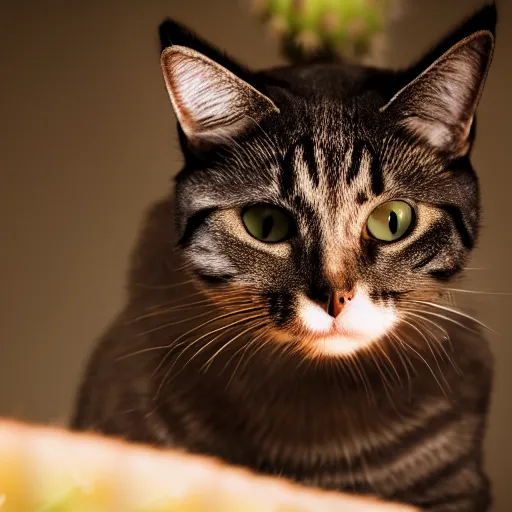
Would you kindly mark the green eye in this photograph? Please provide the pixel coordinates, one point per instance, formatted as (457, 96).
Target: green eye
(267, 223)
(390, 221)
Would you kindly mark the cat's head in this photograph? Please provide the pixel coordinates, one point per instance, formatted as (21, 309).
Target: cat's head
(332, 201)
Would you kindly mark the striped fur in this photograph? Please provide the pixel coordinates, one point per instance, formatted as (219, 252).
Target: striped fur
(401, 415)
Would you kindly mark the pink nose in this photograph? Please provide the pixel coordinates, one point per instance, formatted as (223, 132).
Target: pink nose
(338, 301)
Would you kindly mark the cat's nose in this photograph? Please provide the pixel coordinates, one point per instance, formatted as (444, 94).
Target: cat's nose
(333, 301)
(338, 301)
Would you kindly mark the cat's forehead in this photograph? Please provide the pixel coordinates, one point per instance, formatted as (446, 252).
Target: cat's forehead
(334, 155)
(333, 122)
(333, 174)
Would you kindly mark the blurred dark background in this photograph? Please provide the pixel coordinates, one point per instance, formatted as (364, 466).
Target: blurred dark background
(87, 142)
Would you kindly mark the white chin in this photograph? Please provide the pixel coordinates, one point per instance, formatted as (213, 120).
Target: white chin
(339, 345)
(360, 324)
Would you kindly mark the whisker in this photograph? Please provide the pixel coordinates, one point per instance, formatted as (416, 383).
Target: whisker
(217, 296)
(219, 335)
(353, 361)
(175, 300)
(142, 351)
(398, 348)
(220, 329)
(159, 347)
(189, 319)
(409, 311)
(439, 343)
(480, 292)
(228, 303)
(454, 311)
(164, 286)
(383, 377)
(444, 317)
(390, 362)
(261, 346)
(175, 343)
(420, 332)
(407, 345)
(175, 322)
(225, 345)
(244, 350)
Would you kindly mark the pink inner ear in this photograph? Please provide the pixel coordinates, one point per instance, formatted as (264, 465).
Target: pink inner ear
(184, 116)
(439, 105)
(210, 101)
(437, 134)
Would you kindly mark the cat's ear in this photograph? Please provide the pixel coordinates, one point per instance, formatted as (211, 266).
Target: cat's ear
(438, 104)
(173, 33)
(211, 102)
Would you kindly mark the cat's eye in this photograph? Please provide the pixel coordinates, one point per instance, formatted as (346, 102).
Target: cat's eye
(267, 223)
(390, 221)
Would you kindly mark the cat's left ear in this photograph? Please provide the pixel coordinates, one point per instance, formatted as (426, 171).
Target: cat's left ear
(211, 102)
(439, 104)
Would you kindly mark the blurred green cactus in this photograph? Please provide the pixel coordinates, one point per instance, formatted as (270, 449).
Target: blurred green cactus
(348, 28)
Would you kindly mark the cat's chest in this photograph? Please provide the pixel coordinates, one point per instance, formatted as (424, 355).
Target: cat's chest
(390, 457)
(302, 436)
(379, 440)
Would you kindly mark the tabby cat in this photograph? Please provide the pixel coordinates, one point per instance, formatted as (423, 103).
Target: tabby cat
(321, 211)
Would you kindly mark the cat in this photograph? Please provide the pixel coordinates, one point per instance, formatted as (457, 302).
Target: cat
(321, 211)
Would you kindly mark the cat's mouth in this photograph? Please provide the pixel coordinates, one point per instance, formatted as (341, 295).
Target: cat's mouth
(361, 323)
(338, 344)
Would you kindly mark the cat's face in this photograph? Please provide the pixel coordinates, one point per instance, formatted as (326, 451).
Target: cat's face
(332, 210)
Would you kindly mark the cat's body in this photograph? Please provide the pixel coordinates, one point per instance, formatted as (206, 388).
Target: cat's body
(412, 443)
(403, 414)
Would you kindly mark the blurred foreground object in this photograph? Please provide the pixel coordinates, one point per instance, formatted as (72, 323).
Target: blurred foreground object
(46, 469)
(350, 29)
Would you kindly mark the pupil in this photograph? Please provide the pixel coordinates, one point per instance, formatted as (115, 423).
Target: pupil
(266, 228)
(393, 222)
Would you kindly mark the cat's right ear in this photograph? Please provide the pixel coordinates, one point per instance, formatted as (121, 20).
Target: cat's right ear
(212, 104)
(438, 104)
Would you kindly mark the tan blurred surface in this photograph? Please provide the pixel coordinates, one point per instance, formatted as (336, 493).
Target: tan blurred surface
(129, 477)
(88, 142)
